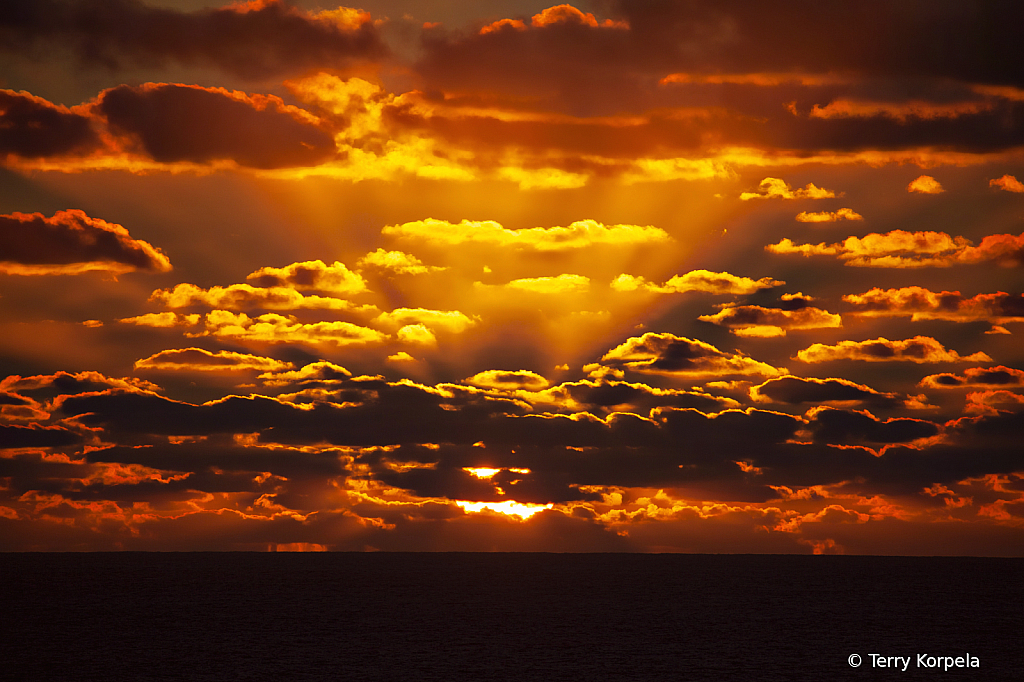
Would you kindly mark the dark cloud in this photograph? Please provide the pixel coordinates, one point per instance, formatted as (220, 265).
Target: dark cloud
(36, 436)
(191, 123)
(71, 242)
(268, 39)
(792, 390)
(32, 128)
(847, 427)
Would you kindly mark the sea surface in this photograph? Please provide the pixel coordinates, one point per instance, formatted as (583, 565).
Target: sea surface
(468, 616)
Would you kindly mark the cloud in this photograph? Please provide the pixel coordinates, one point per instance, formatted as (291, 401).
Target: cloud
(579, 234)
(273, 328)
(506, 380)
(312, 275)
(673, 355)
(920, 349)
(197, 359)
(315, 374)
(901, 249)
(1007, 183)
(163, 320)
(237, 296)
(925, 184)
(829, 216)
(562, 284)
(451, 321)
(791, 390)
(418, 334)
(71, 243)
(993, 402)
(756, 321)
(396, 261)
(249, 40)
(605, 397)
(173, 123)
(697, 280)
(567, 14)
(32, 127)
(976, 377)
(777, 188)
(830, 425)
(922, 304)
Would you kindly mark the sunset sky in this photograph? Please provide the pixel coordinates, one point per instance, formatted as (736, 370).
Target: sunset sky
(622, 275)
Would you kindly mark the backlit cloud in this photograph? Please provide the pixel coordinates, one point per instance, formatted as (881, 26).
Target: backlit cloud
(697, 280)
(579, 234)
(197, 359)
(901, 249)
(829, 216)
(977, 377)
(396, 261)
(1007, 183)
(922, 304)
(70, 243)
(777, 188)
(673, 355)
(313, 275)
(273, 328)
(925, 184)
(757, 321)
(165, 320)
(242, 296)
(520, 379)
(448, 320)
(32, 127)
(920, 349)
(562, 284)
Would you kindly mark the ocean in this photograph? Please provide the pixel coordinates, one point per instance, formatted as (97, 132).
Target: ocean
(482, 617)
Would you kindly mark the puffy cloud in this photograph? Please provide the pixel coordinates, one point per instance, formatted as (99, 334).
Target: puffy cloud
(562, 284)
(322, 373)
(830, 425)
(567, 14)
(397, 261)
(166, 319)
(777, 188)
(791, 390)
(993, 402)
(65, 383)
(259, 40)
(922, 304)
(70, 243)
(237, 296)
(976, 377)
(920, 349)
(520, 379)
(829, 216)
(901, 249)
(579, 234)
(190, 123)
(448, 320)
(418, 334)
(32, 127)
(604, 397)
(754, 320)
(197, 359)
(312, 275)
(1007, 183)
(673, 355)
(273, 328)
(925, 184)
(697, 280)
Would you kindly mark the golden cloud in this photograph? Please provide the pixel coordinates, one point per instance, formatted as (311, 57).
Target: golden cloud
(418, 334)
(397, 261)
(321, 372)
(697, 280)
(562, 284)
(579, 234)
(520, 379)
(753, 320)
(448, 320)
(1007, 183)
(672, 355)
(901, 249)
(920, 349)
(922, 304)
(273, 328)
(976, 377)
(993, 402)
(314, 275)
(163, 320)
(777, 188)
(829, 216)
(925, 184)
(197, 359)
(237, 296)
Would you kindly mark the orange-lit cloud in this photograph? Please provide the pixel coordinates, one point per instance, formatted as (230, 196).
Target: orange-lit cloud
(900, 111)
(809, 390)
(32, 127)
(396, 261)
(314, 275)
(165, 320)
(273, 328)
(451, 321)
(922, 304)
(197, 359)
(520, 379)
(697, 280)
(673, 355)
(757, 321)
(925, 184)
(777, 188)
(240, 296)
(1007, 183)
(579, 234)
(321, 373)
(829, 216)
(920, 349)
(567, 14)
(71, 243)
(901, 249)
(976, 377)
(993, 402)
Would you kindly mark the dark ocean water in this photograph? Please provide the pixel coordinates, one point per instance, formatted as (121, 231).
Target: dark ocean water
(547, 617)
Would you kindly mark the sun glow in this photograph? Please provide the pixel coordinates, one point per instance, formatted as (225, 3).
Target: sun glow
(510, 508)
